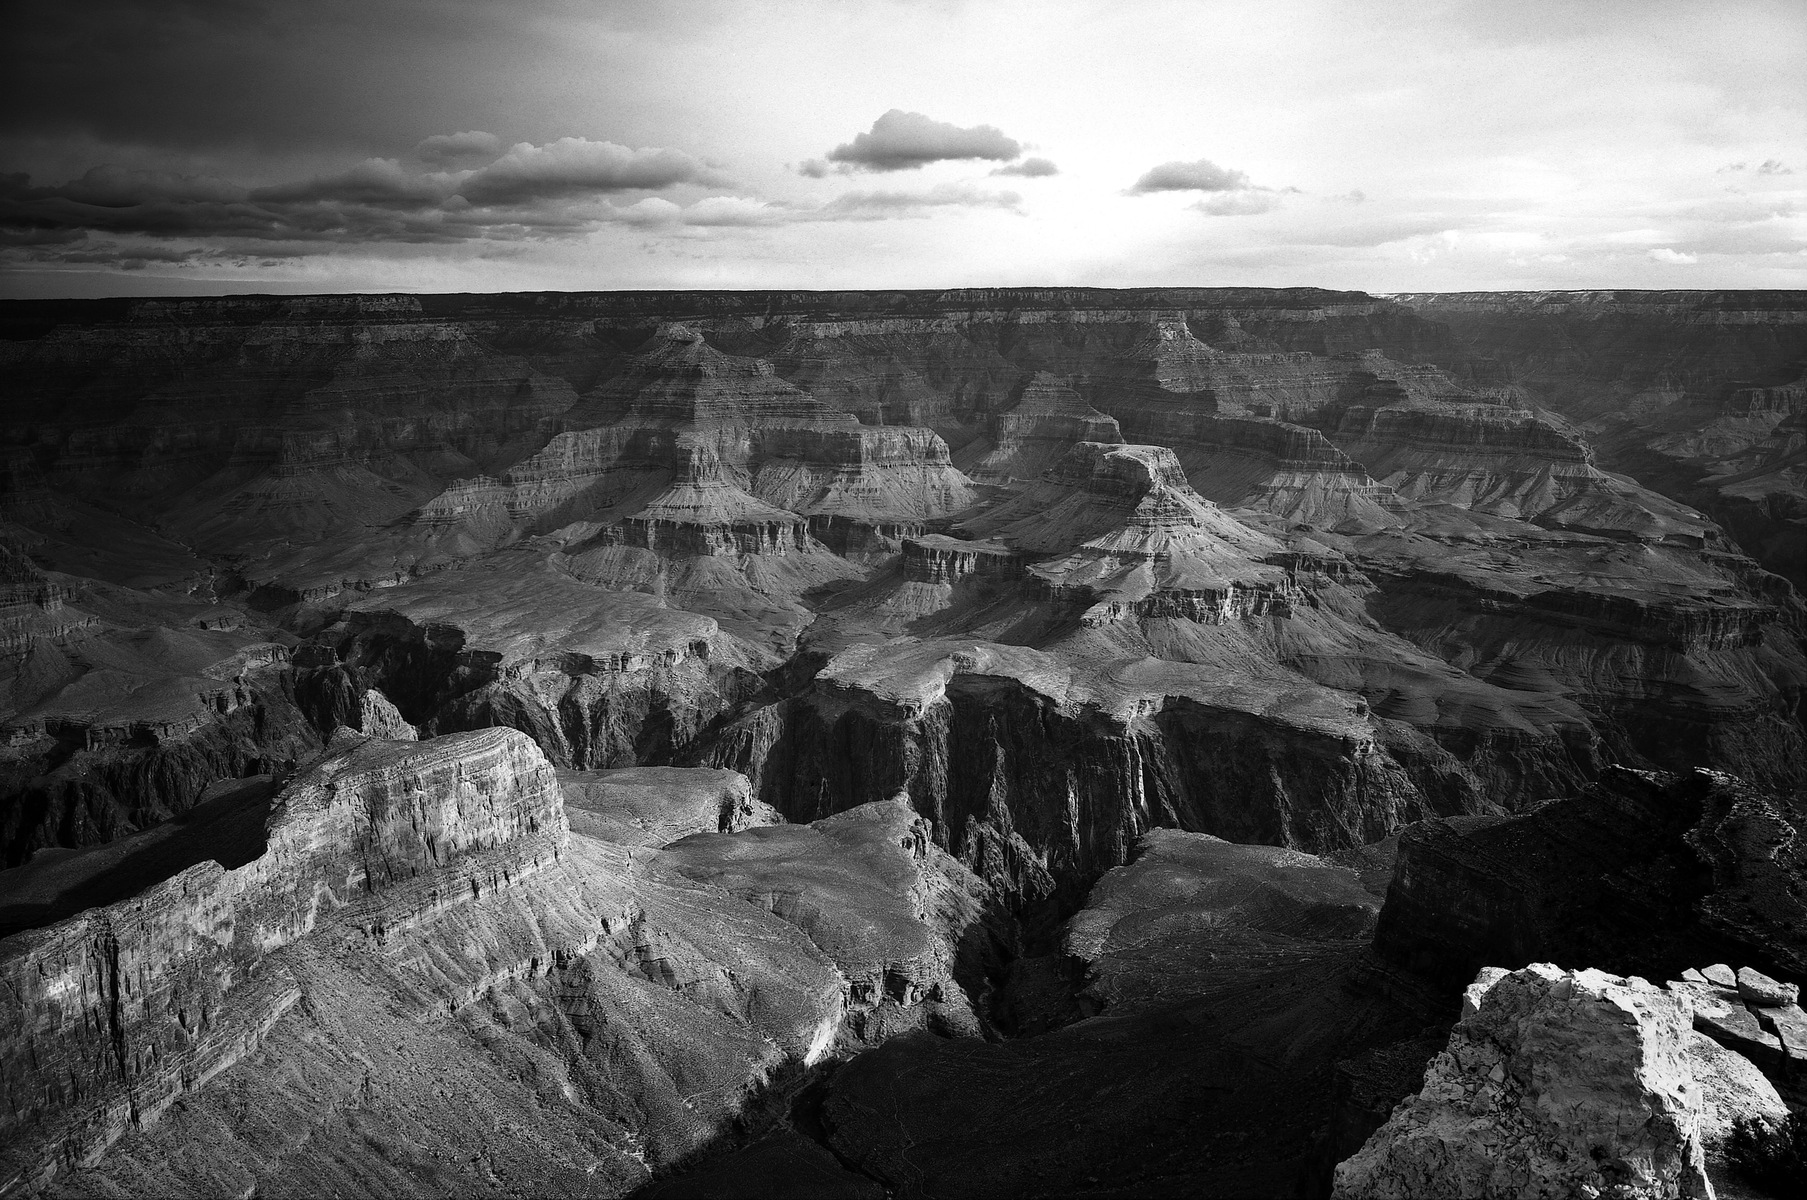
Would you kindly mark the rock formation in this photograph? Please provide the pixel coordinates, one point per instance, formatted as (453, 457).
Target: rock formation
(1032, 434)
(1714, 420)
(948, 743)
(1559, 1083)
(1643, 874)
(414, 927)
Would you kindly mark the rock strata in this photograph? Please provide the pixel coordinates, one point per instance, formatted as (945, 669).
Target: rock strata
(1756, 1017)
(905, 667)
(125, 1008)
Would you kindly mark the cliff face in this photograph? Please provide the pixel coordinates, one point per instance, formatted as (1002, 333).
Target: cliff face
(124, 1008)
(1040, 779)
(617, 679)
(1327, 502)
(1692, 392)
(868, 887)
(417, 926)
(1035, 432)
(1643, 873)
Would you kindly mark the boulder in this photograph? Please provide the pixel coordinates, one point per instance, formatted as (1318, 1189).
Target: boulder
(1732, 1089)
(1758, 988)
(1561, 1083)
(1789, 1024)
(1737, 1029)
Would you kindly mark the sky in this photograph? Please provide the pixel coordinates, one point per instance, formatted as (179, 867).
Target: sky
(170, 147)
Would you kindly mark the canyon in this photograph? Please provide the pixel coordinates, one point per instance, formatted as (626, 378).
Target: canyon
(972, 743)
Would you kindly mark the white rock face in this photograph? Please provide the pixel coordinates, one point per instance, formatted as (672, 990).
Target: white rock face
(1731, 1089)
(1561, 1084)
(1757, 988)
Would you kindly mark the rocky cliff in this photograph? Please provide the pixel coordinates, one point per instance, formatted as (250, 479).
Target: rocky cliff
(1705, 420)
(121, 1010)
(1560, 1083)
(957, 683)
(1643, 873)
(416, 925)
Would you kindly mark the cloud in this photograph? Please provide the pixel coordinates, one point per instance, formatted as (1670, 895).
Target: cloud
(124, 257)
(1201, 176)
(1232, 195)
(380, 181)
(119, 187)
(651, 211)
(530, 191)
(1030, 168)
(453, 148)
(573, 166)
(1664, 254)
(1769, 166)
(725, 211)
(1245, 203)
(814, 168)
(709, 212)
(877, 205)
(903, 141)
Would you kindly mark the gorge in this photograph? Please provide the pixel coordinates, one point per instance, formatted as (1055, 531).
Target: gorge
(969, 743)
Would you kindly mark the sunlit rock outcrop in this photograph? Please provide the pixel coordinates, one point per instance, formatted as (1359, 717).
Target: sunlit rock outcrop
(1558, 1083)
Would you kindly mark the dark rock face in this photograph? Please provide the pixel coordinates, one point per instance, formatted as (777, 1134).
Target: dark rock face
(1039, 799)
(1643, 873)
(1225, 977)
(946, 743)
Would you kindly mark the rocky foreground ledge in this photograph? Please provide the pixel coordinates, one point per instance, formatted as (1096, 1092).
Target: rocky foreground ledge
(1576, 1083)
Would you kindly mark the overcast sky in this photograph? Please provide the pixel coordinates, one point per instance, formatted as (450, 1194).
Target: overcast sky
(178, 146)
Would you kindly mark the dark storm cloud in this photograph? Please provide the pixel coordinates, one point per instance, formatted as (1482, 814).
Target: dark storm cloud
(1201, 176)
(574, 166)
(376, 181)
(450, 149)
(126, 258)
(1030, 168)
(120, 187)
(530, 191)
(903, 141)
(349, 75)
(562, 188)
